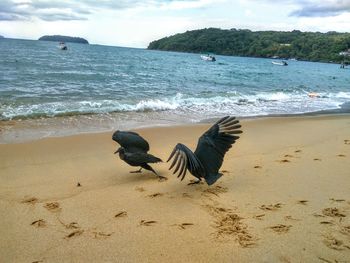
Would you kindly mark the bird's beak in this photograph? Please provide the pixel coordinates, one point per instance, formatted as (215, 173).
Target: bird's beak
(117, 151)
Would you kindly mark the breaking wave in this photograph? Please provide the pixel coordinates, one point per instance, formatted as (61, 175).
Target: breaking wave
(228, 103)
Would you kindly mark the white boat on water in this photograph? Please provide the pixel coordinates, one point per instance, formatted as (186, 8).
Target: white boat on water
(280, 63)
(208, 58)
(62, 46)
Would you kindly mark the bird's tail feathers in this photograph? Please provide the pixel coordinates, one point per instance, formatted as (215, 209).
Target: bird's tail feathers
(154, 159)
(212, 178)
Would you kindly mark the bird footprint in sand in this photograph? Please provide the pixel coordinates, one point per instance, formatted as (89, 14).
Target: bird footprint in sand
(140, 189)
(216, 190)
(121, 214)
(53, 207)
(341, 155)
(99, 235)
(291, 218)
(345, 230)
(187, 195)
(147, 223)
(184, 225)
(229, 224)
(72, 225)
(155, 195)
(327, 223)
(259, 217)
(283, 161)
(347, 142)
(75, 233)
(334, 243)
(336, 200)
(30, 200)
(39, 223)
(271, 207)
(280, 228)
(333, 212)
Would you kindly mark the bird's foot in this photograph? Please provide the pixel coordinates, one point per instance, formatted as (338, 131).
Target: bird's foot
(137, 171)
(192, 182)
(162, 178)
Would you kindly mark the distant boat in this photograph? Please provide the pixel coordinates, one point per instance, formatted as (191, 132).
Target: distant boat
(344, 64)
(62, 46)
(208, 58)
(313, 95)
(282, 63)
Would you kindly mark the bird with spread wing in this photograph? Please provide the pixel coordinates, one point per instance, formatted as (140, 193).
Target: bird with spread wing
(208, 157)
(134, 151)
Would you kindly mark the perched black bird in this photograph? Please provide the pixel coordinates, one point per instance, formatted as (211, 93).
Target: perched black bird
(207, 159)
(134, 150)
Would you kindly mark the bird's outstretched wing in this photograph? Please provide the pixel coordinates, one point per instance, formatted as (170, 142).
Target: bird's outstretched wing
(215, 142)
(131, 141)
(184, 159)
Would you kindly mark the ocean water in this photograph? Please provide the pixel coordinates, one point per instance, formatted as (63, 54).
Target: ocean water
(87, 88)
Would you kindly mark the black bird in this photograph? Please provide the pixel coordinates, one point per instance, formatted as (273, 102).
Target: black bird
(207, 159)
(134, 150)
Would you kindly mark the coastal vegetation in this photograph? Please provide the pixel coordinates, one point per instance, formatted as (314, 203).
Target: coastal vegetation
(59, 38)
(312, 46)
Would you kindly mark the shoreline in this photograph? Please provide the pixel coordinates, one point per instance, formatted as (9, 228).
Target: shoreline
(12, 131)
(283, 197)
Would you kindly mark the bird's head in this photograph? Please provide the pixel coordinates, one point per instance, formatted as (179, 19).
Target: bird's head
(115, 136)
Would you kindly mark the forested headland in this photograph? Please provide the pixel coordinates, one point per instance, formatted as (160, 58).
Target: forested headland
(312, 46)
(59, 38)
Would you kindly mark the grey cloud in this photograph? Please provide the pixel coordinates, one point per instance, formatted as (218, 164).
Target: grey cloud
(61, 17)
(322, 9)
(54, 10)
(11, 17)
(44, 10)
(313, 8)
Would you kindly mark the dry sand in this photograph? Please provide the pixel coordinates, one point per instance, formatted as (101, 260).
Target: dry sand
(284, 197)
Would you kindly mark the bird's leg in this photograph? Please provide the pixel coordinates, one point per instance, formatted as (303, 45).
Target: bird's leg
(195, 182)
(148, 167)
(137, 171)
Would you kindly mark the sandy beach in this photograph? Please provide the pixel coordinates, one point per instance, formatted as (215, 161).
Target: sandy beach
(284, 197)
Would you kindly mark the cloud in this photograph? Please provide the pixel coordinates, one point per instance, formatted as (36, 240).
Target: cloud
(63, 10)
(60, 17)
(10, 17)
(309, 8)
(322, 9)
(44, 10)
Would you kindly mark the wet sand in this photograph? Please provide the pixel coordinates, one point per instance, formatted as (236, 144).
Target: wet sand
(284, 197)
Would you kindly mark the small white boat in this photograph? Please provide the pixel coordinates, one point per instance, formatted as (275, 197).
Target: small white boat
(280, 63)
(62, 46)
(208, 58)
(313, 95)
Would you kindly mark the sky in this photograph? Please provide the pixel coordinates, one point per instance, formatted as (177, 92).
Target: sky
(135, 23)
